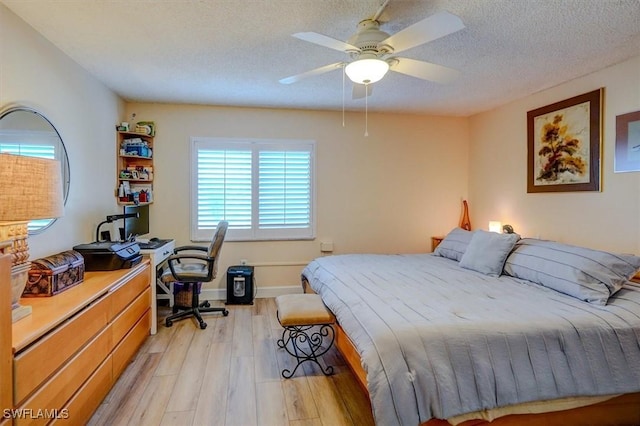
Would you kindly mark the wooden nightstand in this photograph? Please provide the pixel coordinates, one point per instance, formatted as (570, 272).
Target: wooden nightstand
(435, 241)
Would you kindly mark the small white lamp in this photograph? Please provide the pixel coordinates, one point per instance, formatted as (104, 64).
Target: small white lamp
(30, 188)
(495, 226)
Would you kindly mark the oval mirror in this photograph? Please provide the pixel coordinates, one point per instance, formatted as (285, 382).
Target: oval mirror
(24, 131)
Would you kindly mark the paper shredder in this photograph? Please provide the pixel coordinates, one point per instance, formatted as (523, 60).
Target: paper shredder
(240, 285)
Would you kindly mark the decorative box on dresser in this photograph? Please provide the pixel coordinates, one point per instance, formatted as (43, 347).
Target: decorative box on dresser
(70, 351)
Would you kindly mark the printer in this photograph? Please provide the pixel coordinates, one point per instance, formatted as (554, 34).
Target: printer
(108, 256)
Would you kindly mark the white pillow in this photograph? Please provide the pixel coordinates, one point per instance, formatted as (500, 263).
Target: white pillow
(454, 244)
(586, 274)
(487, 252)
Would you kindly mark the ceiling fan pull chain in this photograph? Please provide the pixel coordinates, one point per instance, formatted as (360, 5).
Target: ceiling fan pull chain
(343, 73)
(366, 110)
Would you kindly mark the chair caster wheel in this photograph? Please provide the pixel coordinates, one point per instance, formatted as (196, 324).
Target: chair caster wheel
(206, 304)
(203, 325)
(168, 323)
(225, 313)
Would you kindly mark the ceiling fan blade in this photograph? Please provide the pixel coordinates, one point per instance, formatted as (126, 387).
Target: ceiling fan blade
(311, 73)
(424, 70)
(429, 29)
(326, 41)
(359, 91)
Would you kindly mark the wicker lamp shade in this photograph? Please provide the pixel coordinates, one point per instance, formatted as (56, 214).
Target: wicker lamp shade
(30, 188)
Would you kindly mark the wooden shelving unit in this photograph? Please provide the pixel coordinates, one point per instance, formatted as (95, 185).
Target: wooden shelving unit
(134, 167)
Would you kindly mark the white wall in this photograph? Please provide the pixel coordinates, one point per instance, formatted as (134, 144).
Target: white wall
(608, 220)
(385, 193)
(36, 74)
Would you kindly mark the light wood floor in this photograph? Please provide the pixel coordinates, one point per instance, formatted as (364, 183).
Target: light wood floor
(229, 374)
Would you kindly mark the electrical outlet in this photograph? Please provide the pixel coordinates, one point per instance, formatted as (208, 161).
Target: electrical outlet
(326, 246)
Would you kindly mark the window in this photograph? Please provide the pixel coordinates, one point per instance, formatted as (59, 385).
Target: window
(263, 188)
(30, 144)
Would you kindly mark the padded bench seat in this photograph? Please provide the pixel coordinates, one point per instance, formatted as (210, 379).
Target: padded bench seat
(307, 333)
(302, 309)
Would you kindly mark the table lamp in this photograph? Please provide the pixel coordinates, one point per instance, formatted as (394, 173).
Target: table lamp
(30, 188)
(495, 226)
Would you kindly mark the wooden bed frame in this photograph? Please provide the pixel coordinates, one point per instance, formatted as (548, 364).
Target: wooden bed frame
(621, 410)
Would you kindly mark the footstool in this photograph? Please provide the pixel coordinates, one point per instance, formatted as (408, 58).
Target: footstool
(307, 333)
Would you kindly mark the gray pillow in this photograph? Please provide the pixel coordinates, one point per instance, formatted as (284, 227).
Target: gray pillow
(586, 274)
(487, 252)
(454, 244)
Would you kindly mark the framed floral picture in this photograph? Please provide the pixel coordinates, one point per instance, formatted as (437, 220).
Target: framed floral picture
(564, 143)
(627, 158)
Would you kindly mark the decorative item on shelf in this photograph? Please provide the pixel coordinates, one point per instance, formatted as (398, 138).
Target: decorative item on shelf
(142, 193)
(124, 191)
(123, 127)
(465, 222)
(31, 188)
(508, 229)
(146, 127)
(143, 196)
(136, 147)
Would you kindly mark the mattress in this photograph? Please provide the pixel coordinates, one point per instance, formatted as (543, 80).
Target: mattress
(439, 341)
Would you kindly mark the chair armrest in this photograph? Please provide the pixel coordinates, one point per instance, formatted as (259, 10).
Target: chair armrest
(176, 258)
(196, 248)
(179, 257)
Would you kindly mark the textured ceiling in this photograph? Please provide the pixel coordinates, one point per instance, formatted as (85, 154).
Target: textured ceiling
(233, 52)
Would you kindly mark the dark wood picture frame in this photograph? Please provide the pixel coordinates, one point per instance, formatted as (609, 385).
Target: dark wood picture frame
(564, 143)
(627, 156)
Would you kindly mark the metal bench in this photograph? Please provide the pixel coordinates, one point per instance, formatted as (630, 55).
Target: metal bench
(308, 332)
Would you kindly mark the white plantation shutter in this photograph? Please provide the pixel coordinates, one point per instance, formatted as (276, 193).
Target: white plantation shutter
(224, 188)
(264, 189)
(284, 190)
(30, 144)
(43, 151)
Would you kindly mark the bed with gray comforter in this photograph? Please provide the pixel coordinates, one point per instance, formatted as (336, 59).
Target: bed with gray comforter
(438, 340)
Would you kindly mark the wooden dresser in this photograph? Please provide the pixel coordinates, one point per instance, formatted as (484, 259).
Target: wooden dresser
(70, 351)
(6, 359)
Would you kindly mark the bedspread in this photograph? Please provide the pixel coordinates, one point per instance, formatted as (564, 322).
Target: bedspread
(437, 340)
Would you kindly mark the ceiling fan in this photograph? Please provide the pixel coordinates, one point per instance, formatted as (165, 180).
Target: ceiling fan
(372, 51)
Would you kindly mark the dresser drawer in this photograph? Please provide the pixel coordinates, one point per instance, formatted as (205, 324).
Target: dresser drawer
(130, 316)
(122, 295)
(55, 393)
(33, 365)
(84, 402)
(129, 345)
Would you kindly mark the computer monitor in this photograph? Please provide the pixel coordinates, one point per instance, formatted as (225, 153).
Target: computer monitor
(136, 226)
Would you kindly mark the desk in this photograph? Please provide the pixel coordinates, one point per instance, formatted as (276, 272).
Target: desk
(156, 257)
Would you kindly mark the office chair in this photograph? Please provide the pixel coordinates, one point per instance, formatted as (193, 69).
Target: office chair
(196, 269)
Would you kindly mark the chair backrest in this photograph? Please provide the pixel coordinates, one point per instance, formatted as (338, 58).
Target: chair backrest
(216, 243)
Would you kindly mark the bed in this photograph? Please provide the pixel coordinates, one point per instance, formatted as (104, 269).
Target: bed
(489, 327)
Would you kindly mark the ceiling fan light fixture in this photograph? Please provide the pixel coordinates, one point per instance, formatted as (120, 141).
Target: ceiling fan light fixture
(366, 71)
